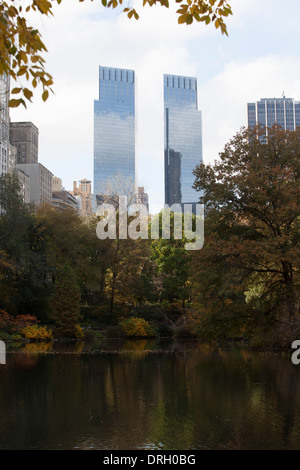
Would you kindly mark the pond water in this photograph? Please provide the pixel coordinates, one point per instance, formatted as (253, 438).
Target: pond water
(147, 395)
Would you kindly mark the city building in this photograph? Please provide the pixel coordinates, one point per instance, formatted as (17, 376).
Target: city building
(62, 199)
(23, 178)
(143, 197)
(25, 137)
(4, 122)
(83, 193)
(183, 138)
(11, 161)
(268, 111)
(24, 182)
(57, 184)
(114, 132)
(40, 182)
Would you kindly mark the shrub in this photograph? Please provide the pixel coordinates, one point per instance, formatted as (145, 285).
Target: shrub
(4, 336)
(137, 327)
(11, 324)
(5, 321)
(36, 332)
(79, 333)
(21, 321)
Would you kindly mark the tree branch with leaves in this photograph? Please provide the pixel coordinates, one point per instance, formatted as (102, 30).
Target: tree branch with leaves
(22, 49)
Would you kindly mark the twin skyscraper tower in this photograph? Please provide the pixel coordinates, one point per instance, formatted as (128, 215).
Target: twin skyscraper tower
(115, 135)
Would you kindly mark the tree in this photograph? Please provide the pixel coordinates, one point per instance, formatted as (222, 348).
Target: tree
(22, 48)
(65, 305)
(252, 204)
(22, 252)
(172, 263)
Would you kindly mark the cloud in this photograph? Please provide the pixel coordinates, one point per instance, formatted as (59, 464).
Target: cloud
(230, 71)
(224, 98)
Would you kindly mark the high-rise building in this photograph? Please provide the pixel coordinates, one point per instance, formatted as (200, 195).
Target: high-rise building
(11, 159)
(142, 197)
(4, 122)
(40, 182)
(84, 196)
(25, 137)
(114, 131)
(183, 138)
(268, 111)
(62, 199)
(24, 184)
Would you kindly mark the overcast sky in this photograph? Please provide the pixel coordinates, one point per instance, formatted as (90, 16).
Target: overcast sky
(259, 59)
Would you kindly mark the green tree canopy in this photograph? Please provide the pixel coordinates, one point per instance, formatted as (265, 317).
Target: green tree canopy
(65, 304)
(22, 251)
(252, 200)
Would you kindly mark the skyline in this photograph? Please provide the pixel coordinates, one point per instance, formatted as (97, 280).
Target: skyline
(183, 138)
(114, 152)
(260, 58)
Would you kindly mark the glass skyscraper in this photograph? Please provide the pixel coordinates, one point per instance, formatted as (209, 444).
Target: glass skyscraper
(268, 111)
(114, 131)
(183, 138)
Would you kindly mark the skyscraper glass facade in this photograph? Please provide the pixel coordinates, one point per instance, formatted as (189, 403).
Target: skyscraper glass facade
(183, 138)
(268, 111)
(114, 131)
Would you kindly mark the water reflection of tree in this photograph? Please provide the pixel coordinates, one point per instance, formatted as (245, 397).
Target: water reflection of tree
(178, 399)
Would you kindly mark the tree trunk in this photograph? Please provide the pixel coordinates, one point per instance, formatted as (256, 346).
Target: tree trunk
(291, 300)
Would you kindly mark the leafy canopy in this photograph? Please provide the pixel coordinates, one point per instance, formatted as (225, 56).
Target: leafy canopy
(252, 199)
(22, 48)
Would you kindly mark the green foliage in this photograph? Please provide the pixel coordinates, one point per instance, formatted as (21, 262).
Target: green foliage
(23, 264)
(251, 253)
(243, 284)
(172, 266)
(65, 305)
(137, 327)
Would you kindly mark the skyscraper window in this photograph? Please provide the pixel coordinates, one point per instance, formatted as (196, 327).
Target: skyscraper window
(183, 138)
(114, 130)
(268, 111)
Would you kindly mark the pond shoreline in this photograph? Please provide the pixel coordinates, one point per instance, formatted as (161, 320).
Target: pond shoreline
(163, 345)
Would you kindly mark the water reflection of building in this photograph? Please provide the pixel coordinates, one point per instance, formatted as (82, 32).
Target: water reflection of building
(183, 138)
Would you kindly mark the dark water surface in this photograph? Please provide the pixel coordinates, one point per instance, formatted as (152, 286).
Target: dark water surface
(147, 395)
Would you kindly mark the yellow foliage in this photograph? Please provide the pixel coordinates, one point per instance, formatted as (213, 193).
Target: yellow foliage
(137, 327)
(36, 332)
(79, 332)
